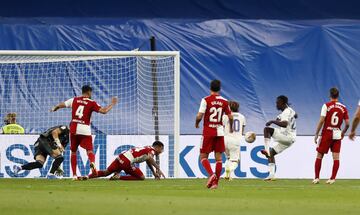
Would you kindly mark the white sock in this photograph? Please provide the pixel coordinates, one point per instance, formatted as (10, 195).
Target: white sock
(227, 165)
(233, 166)
(267, 143)
(271, 170)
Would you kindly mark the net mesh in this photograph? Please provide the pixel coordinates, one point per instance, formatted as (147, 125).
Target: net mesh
(31, 85)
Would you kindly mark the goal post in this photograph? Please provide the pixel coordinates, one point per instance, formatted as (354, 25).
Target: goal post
(33, 81)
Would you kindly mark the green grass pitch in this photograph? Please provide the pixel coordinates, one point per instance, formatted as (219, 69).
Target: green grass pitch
(37, 196)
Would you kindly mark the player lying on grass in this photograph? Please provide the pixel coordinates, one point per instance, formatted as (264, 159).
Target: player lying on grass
(284, 135)
(126, 160)
(52, 142)
(232, 140)
(333, 114)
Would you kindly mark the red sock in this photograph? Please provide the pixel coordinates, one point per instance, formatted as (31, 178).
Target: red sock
(206, 164)
(335, 169)
(91, 157)
(92, 175)
(73, 163)
(218, 168)
(129, 178)
(317, 167)
(101, 173)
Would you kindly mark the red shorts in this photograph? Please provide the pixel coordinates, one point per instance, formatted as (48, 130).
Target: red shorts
(212, 144)
(326, 143)
(122, 163)
(80, 140)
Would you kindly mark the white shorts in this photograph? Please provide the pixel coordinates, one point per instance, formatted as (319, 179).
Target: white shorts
(232, 148)
(284, 141)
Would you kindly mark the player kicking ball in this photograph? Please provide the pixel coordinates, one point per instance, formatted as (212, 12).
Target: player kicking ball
(212, 109)
(126, 160)
(80, 131)
(52, 142)
(332, 116)
(284, 135)
(232, 140)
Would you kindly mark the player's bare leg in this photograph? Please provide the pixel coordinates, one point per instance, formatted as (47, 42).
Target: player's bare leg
(318, 162)
(335, 168)
(206, 164)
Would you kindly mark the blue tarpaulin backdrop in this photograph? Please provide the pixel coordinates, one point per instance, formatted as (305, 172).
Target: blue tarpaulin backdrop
(256, 60)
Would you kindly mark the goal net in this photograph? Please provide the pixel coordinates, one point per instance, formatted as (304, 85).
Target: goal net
(146, 84)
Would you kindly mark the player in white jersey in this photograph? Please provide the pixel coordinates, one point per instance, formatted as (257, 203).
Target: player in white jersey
(232, 140)
(355, 123)
(284, 135)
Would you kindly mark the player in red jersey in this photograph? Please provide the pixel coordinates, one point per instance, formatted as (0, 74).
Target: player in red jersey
(212, 108)
(126, 160)
(80, 131)
(332, 116)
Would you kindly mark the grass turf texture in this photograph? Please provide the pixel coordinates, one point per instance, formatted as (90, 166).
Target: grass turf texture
(37, 196)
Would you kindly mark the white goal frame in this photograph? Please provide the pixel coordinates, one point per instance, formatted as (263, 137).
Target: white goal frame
(175, 54)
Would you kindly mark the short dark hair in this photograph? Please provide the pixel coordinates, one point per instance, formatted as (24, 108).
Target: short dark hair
(215, 85)
(234, 106)
(158, 143)
(334, 93)
(284, 99)
(86, 89)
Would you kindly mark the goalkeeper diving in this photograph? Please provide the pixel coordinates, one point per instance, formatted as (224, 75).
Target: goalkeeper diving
(50, 143)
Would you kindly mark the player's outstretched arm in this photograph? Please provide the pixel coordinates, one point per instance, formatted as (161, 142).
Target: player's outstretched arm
(152, 170)
(199, 117)
(158, 173)
(106, 109)
(55, 134)
(283, 124)
(318, 128)
(231, 121)
(347, 125)
(355, 124)
(58, 106)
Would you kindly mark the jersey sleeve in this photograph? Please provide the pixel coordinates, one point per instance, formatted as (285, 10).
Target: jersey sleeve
(323, 110)
(96, 107)
(244, 124)
(68, 103)
(285, 115)
(202, 108)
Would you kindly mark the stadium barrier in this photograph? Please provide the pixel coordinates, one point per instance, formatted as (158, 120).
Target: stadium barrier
(295, 162)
